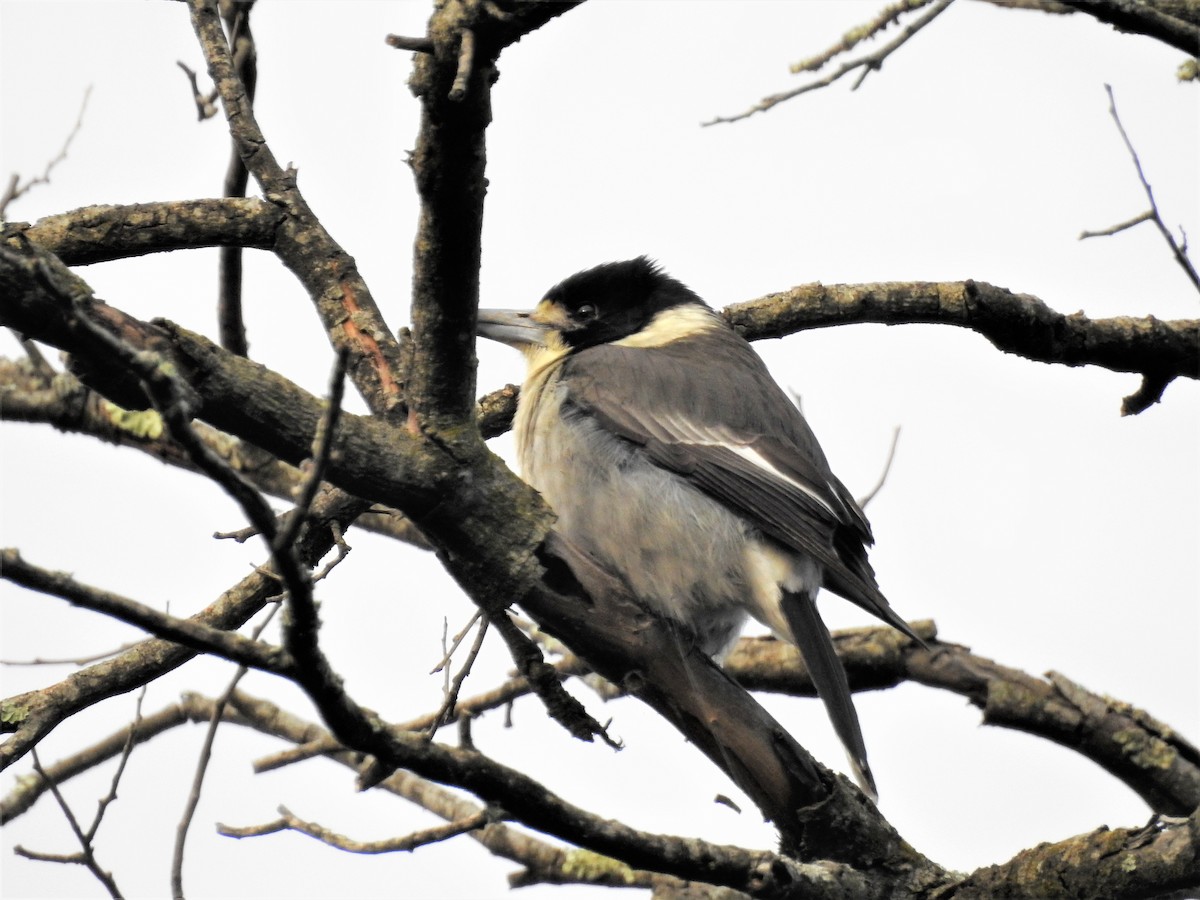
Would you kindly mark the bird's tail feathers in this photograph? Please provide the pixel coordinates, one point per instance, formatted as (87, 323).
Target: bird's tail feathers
(867, 596)
(829, 677)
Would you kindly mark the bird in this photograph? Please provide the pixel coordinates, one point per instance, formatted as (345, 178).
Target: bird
(670, 455)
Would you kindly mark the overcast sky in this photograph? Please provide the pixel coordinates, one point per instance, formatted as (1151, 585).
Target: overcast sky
(1023, 514)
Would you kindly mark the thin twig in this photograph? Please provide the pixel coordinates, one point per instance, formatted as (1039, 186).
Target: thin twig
(887, 467)
(87, 854)
(289, 822)
(187, 632)
(206, 104)
(15, 189)
(458, 639)
(451, 697)
(38, 359)
(126, 751)
(855, 36)
(230, 322)
(869, 63)
(1177, 250)
(72, 661)
(416, 44)
(210, 736)
(466, 64)
(322, 450)
(1147, 216)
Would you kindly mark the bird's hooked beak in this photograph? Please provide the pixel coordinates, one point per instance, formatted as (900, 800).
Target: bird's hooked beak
(515, 327)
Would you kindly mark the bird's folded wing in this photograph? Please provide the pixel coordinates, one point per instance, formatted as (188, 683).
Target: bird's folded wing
(710, 429)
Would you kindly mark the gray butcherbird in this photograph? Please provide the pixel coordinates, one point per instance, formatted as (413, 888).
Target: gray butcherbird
(669, 454)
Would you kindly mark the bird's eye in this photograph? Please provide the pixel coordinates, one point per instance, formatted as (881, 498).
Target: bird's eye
(586, 313)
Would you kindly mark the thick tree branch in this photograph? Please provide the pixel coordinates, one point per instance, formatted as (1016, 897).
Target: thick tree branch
(453, 82)
(1143, 18)
(1159, 860)
(1152, 759)
(1015, 323)
(101, 233)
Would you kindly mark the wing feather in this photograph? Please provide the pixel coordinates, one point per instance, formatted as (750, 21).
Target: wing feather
(738, 438)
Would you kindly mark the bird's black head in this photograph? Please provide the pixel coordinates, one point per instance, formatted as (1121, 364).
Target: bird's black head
(612, 301)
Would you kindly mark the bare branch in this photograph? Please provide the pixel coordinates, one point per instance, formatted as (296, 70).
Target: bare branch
(287, 821)
(872, 62)
(229, 278)
(210, 736)
(126, 750)
(446, 711)
(1159, 860)
(72, 661)
(341, 296)
(466, 63)
(188, 632)
(1015, 323)
(15, 189)
(27, 791)
(206, 104)
(87, 854)
(889, 15)
(322, 449)
(417, 45)
(102, 233)
(1143, 18)
(1152, 759)
(173, 399)
(1147, 216)
(887, 468)
(1177, 250)
(61, 400)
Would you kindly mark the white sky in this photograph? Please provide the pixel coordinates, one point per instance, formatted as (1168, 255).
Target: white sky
(1022, 514)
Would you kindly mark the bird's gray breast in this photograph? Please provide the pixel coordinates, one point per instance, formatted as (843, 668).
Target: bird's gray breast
(680, 552)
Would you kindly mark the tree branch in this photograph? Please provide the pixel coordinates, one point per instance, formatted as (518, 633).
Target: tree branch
(32, 715)
(1020, 324)
(342, 298)
(62, 401)
(1149, 757)
(188, 632)
(872, 62)
(229, 277)
(1179, 252)
(1159, 860)
(102, 233)
(1142, 18)
(15, 189)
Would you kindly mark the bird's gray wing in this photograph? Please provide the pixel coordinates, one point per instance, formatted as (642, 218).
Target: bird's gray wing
(706, 408)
